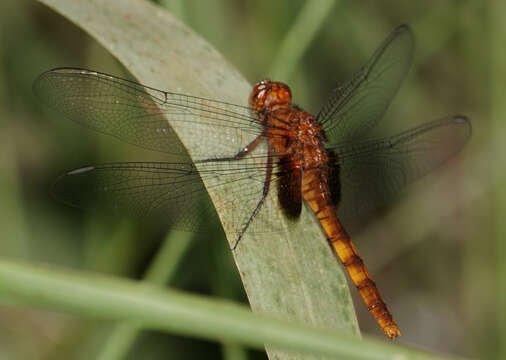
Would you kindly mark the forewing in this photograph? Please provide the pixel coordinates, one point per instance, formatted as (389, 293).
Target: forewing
(138, 114)
(373, 172)
(357, 105)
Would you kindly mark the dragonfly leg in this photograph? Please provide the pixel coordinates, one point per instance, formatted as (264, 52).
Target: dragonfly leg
(245, 150)
(267, 183)
(249, 147)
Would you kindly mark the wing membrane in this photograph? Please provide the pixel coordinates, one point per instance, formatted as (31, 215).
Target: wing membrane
(356, 106)
(373, 172)
(140, 189)
(174, 192)
(135, 113)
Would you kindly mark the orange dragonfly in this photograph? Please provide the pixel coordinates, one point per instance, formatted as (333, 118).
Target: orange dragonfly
(326, 160)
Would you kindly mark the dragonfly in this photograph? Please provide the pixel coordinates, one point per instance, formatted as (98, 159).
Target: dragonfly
(327, 161)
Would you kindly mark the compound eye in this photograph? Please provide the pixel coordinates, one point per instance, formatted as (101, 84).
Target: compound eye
(258, 94)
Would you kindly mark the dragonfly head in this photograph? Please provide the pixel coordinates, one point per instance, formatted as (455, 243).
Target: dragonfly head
(268, 93)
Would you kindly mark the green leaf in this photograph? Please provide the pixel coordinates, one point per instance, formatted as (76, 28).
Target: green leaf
(291, 275)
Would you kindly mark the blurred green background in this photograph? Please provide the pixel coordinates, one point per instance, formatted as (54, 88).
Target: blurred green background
(437, 255)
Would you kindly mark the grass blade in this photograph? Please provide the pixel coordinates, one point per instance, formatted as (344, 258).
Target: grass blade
(93, 295)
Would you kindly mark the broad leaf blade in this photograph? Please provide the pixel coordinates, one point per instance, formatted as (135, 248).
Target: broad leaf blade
(291, 276)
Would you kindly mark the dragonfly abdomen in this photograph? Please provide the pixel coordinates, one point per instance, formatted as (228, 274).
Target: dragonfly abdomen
(317, 195)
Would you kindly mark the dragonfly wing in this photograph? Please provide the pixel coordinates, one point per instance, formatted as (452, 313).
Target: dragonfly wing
(372, 172)
(135, 113)
(357, 105)
(138, 114)
(174, 192)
